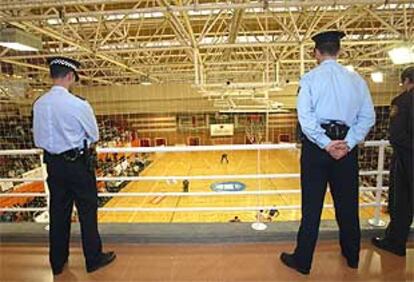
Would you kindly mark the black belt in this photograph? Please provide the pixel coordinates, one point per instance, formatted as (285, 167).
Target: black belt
(335, 130)
(69, 155)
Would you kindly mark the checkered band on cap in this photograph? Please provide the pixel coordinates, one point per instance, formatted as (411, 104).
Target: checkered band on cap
(63, 63)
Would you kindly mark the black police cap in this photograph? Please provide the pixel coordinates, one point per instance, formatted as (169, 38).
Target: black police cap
(71, 64)
(328, 36)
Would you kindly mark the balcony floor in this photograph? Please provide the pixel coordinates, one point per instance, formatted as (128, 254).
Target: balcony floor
(205, 262)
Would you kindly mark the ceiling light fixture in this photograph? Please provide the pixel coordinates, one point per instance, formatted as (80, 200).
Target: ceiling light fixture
(146, 81)
(377, 77)
(402, 55)
(19, 40)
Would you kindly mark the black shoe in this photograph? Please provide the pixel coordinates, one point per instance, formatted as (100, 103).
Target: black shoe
(351, 263)
(289, 260)
(59, 270)
(104, 259)
(386, 245)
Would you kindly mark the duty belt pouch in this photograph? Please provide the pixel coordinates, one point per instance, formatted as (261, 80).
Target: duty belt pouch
(335, 131)
(90, 158)
(72, 155)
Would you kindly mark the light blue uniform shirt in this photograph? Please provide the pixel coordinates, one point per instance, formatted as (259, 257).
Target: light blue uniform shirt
(330, 92)
(62, 121)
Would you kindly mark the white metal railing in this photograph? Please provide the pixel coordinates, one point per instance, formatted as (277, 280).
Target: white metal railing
(376, 220)
(193, 209)
(189, 194)
(194, 177)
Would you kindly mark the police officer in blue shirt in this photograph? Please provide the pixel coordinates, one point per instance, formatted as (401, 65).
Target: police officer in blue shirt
(335, 113)
(64, 126)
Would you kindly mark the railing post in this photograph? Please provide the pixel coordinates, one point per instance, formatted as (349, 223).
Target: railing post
(376, 220)
(258, 225)
(46, 187)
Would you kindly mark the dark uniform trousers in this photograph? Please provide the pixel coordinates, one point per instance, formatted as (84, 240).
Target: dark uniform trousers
(402, 198)
(391, 183)
(318, 169)
(72, 182)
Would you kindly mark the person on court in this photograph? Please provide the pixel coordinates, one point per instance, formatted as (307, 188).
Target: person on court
(186, 186)
(224, 158)
(335, 114)
(402, 196)
(272, 214)
(64, 126)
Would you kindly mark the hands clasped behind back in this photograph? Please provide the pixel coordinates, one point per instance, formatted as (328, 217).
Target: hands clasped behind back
(337, 149)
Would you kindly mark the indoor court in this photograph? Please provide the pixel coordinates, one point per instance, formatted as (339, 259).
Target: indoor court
(208, 163)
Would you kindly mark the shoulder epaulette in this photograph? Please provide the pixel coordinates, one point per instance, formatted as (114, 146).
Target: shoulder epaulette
(80, 97)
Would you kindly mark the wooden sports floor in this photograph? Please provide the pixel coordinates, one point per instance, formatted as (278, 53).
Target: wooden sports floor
(208, 163)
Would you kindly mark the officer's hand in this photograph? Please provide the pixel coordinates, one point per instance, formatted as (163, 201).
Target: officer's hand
(337, 149)
(339, 153)
(334, 145)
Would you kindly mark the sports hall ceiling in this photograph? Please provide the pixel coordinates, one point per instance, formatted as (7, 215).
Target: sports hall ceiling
(200, 42)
